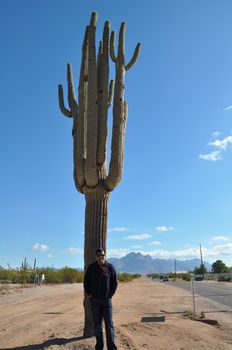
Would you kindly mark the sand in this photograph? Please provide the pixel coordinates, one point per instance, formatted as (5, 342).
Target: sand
(51, 317)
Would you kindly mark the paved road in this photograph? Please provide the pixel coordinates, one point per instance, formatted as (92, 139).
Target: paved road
(217, 291)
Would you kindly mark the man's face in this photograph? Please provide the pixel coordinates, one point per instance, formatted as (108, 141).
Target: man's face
(101, 257)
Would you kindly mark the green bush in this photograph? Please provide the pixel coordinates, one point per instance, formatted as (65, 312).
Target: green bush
(127, 277)
(172, 275)
(153, 275)
(186, 276)
(5, 275)
(9, 276)
(70, 275)
(224, 279)
(63, 275)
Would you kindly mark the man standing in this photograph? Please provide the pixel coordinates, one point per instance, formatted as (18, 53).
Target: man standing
(100, 284)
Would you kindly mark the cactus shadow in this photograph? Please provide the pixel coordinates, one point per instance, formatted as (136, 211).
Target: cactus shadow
(46, 343)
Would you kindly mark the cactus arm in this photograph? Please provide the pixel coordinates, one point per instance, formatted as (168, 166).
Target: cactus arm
(111, 93)
(93, 20)
(82, 97)
(64, 110)
(78, 161)
(100, 107)
(121, 45)
(79, 122)
(99, 64)
(103, 82)
(78, 170)
(134, 57)
(71, 94)
(112, 53)
(91, 175)
(119, 118)
(117, 151)
(120, 110)
(118, 132)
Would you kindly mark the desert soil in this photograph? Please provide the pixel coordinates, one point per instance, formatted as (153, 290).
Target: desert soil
(51, 317)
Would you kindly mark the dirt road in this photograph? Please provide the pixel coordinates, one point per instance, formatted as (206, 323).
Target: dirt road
(51, 317)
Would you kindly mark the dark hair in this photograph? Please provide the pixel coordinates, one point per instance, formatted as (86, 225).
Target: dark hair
(100, 251)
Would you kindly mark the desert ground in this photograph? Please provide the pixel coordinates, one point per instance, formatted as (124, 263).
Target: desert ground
(147, 315)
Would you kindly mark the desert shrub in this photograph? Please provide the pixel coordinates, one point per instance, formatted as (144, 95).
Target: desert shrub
(172, 275)
(127, 277)
(52, 275)
(9, 276)
(63, 275)
(5, 275)
(70, 275)
(186, 276)
(24, 276)
(153, 275)
(224, 279)
(188, 313)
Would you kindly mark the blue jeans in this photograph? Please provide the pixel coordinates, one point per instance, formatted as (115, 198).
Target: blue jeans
(102, 309)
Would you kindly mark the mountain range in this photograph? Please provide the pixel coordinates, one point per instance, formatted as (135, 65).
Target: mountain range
(144, 264)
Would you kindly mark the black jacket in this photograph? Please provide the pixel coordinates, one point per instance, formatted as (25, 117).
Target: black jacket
(100, 280)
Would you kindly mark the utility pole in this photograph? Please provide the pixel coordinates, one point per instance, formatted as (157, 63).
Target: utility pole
(175, 268)
(202, 266)
(193, 294)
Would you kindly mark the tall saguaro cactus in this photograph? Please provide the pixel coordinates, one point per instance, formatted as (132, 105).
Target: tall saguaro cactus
(95, 96)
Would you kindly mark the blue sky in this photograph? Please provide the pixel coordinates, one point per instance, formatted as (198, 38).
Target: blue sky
(176, 186)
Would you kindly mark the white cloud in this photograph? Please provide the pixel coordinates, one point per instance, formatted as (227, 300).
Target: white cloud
(117, 253)
(219, 147)
(158, 253)
(213, 156)
(42, 248)
(176, 254)
(211, 253)
(223, 251)
(218, 250)
(220, 238)
(74, 251)
(164, 228)
(155, 243)
(50, 256)
(118, 229)
(228, 108)
(138, 237)
(223, 144)
(216, 134)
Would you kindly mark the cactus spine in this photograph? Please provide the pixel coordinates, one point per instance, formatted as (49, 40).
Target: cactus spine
(95, 95)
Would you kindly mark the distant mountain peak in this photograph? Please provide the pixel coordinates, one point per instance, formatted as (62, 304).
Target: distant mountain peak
(136, 262)
(134, 254)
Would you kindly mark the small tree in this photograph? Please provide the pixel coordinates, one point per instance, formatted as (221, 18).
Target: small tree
(219, 267)
(201, 270)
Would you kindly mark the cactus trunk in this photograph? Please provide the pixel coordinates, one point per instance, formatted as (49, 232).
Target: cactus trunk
(95, 96)
(95, 222)
(96, 214)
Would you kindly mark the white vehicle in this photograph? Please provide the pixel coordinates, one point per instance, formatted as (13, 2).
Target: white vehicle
(165, 278)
